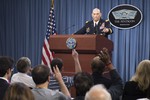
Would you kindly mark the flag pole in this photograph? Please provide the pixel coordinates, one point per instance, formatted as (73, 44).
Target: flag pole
(52, 3)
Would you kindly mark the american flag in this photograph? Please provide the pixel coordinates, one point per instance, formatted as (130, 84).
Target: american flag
(47, 55)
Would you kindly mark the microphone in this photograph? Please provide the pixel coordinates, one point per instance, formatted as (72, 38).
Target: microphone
(66, 29)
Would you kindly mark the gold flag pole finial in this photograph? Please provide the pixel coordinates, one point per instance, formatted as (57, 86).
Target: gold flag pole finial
(52, 3)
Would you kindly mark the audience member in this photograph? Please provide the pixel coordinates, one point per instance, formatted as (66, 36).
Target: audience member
(68, 80)
(41, 77)
(82, 82)
(98, 92)
(24, 67)
(6, 67)
(139, 85)
(99, 65)
(18, 91)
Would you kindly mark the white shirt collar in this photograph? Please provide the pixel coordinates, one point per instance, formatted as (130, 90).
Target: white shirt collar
(96, 22)
(4, 79)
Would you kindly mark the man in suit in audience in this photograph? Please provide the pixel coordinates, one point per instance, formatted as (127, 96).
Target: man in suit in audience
(6, 68)
(97, 25)
(99, 65)
(41, 77)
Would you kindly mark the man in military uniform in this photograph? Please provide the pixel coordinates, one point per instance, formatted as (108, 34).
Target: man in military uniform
(97, 25)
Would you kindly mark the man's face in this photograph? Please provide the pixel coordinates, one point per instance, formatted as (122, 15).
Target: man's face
(96, 15)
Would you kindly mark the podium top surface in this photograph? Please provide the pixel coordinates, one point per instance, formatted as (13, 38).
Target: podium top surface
(85, 43)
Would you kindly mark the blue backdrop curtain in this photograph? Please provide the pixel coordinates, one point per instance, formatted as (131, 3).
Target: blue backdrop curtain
(23, 26)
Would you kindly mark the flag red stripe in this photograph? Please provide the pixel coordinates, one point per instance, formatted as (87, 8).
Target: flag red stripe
(43, 59)
(46, 51)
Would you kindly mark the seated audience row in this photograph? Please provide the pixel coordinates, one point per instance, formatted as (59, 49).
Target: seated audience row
(93, 86)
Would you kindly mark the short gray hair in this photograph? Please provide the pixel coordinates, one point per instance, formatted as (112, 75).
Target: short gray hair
(98, 92)
(26, 59)
(96, 10)
(23, 64)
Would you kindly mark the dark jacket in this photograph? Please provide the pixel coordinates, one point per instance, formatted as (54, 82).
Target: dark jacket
(90, 29)
(79, 98)
(3, 87)
(99, 79)
(114, 86)
(133, 92)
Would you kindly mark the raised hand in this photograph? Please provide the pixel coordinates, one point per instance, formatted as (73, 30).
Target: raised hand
(75, 54)
(57, 74)
(62, 85)
(104, 56)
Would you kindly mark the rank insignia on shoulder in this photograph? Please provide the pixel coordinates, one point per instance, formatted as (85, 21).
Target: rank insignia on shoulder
(86, 22)
(107, 20)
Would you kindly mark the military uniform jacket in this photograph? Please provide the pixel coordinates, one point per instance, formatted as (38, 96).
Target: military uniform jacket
(90, 29)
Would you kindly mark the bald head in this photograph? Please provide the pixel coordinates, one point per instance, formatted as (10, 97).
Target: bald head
(98, 92)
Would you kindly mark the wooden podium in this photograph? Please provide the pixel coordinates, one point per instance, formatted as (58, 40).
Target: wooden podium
(87, 46)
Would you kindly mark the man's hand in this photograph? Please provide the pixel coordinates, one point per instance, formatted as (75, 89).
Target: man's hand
(62, 85)
(105, 30)
(75, 54)
(57, 74)
(104, 56)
